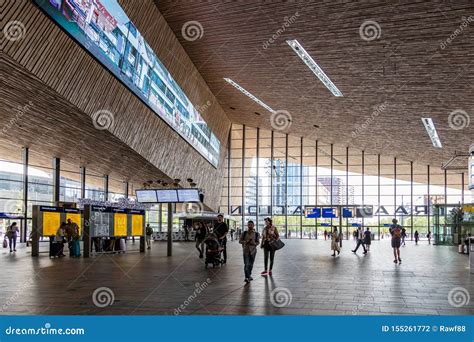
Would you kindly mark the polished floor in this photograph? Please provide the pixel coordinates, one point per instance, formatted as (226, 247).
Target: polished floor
(432, 280)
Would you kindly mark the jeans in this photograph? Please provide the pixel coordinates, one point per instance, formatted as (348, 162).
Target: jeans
(148, 240)
(266, 253)
(360, 242)
(12, 242)
(249, 259)
(200, 246)
(223, 243)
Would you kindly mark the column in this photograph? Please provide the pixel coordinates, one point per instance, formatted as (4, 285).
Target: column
(170, 230)
(24, 228)
(82, 171)
(56, 179)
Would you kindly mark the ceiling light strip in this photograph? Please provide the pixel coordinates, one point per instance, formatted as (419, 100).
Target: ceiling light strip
(431, 129)
(245, 92)
(310, 62)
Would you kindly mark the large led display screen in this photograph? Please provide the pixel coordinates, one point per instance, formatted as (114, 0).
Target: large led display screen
(104, 29)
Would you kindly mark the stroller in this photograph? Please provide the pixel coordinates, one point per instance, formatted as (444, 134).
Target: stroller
(213, 250)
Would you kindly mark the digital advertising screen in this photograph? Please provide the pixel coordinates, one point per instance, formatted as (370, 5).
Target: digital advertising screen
(106, 32)
(188, 195)
(167, 196)
(146, 196)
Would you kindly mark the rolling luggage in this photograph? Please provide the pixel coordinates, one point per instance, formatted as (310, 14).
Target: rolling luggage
(75, 249)
(55, 249)
(123, 246)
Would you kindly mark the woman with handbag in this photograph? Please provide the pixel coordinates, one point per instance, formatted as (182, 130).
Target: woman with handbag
(269, 237)
(12, 234)
(335, 242)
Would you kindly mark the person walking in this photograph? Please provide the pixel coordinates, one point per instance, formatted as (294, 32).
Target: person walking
(325, 234)
(12, 234)
(148, 234)
(335, 242)
(269, 234)
(404, 235)
(360, 241)
(417, 237)
(396, 232)
(249, 240)
(428, 236)
(221, 229)
(201, 233)
(367, 238)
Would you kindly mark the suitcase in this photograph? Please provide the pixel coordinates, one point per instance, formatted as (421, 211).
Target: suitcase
(75, 249)
(55, 249)
(123, 246)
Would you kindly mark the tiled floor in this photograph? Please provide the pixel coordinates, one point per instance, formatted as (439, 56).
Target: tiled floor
(304, 272)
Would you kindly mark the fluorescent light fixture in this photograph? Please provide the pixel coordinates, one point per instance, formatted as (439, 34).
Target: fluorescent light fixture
(430, 128)
(309, 61)
(260, 102)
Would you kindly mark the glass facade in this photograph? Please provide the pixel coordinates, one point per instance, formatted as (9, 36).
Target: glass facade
(273, 174)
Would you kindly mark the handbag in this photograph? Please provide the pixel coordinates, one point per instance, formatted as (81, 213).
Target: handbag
(5, 243)
(276, 244)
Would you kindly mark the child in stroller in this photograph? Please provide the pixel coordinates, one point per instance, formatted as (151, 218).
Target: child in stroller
(213, 250)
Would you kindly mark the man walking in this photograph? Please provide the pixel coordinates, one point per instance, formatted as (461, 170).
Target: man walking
(396, 231)
(249, 240)
(360, 240)
(221, 230)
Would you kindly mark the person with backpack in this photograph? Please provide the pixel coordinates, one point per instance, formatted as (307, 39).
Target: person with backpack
(270, 233)
(428, 236)
(249, 241)
(335, 243)
(148, 234)
(396, 232)
(12, 234)
(417, 237)
(201, 233)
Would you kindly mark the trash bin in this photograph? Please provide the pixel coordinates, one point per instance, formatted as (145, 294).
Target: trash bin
(471, 254)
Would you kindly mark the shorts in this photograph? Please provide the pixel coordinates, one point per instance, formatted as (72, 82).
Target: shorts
(396, 242)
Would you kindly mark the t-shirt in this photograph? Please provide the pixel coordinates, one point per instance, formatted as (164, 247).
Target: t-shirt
(396, 231)
(201, 233)
(221, 229)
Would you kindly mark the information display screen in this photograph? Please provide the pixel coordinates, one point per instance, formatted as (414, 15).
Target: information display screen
(313, 213)
(167, 196)
(146, 196)
(329, 212)
(51, 222)
(188, 195)
(347, 212)
(104, 29)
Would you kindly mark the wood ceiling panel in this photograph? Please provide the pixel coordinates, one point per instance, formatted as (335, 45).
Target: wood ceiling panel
(406, 68)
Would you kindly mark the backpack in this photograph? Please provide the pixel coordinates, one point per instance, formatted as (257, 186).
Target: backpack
(149, 230)
(397, 232)
(256, 235)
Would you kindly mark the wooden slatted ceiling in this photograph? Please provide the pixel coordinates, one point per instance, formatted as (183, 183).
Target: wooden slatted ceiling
(406, 67)
(59, 63)
(44, 128)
